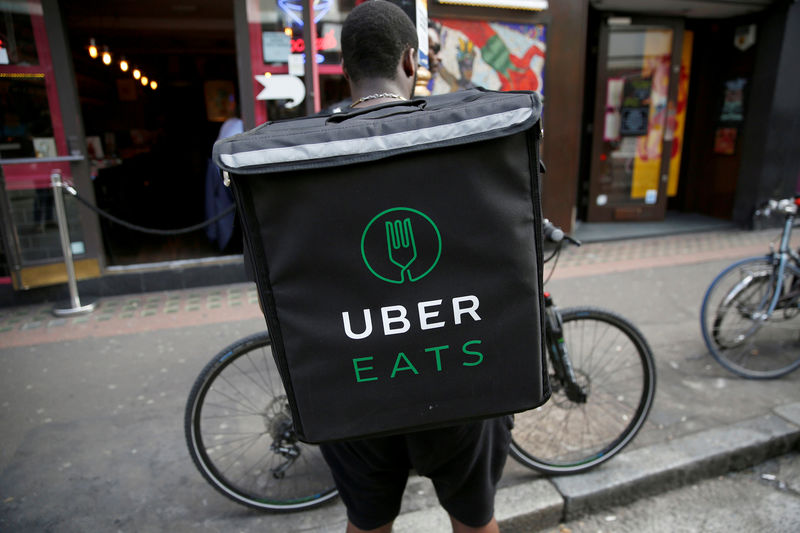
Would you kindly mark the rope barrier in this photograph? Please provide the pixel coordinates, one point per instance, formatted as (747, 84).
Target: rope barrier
(178, 231)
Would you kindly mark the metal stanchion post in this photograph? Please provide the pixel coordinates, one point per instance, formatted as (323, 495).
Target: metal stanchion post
(61, 215)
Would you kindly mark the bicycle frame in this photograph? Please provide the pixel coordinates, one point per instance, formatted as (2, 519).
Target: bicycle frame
(784, 255)
(556, 347)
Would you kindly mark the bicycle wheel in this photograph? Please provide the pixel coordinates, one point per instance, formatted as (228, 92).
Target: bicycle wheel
(614, 366)
(240, 434)
(738, 329)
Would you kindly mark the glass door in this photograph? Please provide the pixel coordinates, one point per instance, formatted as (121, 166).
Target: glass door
(637, 80)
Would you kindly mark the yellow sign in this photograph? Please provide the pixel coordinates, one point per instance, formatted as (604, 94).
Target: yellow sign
(647, 164)
(680, 115)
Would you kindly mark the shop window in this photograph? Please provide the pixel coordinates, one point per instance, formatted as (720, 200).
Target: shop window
(26, 129)
(17, 43)
(31, 139)
(282, 30)
(278, 48)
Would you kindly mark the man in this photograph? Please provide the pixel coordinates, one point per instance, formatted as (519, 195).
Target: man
(464, 462)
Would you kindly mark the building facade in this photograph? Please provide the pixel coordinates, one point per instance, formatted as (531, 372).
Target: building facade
(651, 108)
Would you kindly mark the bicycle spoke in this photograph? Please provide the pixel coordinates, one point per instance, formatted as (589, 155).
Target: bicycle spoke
(249, 377)
(230, 409)
(268, 384)
(236, 409)
(609, 365)
(238, 391)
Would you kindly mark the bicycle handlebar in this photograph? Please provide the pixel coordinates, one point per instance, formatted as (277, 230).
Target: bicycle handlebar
(786, 207)
(555, 234)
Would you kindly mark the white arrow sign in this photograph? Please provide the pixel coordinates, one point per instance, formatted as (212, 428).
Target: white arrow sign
(282, 87)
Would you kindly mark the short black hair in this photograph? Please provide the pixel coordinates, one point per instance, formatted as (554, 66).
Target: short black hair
(374, 37)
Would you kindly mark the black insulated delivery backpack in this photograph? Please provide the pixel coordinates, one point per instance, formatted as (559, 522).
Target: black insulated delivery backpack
(397, 251)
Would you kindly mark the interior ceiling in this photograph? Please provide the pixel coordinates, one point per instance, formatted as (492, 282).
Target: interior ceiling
(153, 26)
(684, 8)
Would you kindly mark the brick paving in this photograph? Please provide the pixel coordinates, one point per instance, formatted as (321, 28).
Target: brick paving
(618, 256)
(118, 315)
(22, 326)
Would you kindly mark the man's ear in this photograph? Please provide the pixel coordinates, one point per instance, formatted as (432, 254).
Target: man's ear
(410, 62)
(344, 72)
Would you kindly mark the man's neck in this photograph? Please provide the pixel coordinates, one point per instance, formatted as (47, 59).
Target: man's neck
(376, 86)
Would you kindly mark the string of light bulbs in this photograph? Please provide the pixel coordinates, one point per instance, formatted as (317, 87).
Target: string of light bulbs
(124, 66)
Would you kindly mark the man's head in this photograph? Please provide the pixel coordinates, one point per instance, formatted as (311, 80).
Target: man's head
(378, 39)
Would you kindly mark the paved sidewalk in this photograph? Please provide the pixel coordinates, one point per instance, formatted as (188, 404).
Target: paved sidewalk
(687, 248)
(91, 407)
(163, 310)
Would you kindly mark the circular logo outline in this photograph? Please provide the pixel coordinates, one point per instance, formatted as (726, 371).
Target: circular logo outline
(391, 210)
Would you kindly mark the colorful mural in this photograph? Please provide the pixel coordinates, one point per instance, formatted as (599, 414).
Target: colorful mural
(494, 55)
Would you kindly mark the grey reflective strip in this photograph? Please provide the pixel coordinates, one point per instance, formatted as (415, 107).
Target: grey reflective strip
(392, 141)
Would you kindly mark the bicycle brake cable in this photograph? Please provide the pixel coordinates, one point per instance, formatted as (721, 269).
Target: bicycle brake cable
(556, 253)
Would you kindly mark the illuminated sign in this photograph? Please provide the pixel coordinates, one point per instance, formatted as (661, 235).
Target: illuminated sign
(326, 42)
(294, 9)
(533, 5)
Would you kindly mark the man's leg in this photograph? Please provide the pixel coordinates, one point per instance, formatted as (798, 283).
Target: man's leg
(371, 476)
(458, 527)
(466, 476)
(351, 528)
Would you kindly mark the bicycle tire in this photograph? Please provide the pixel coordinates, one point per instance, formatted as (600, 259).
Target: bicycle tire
(737, 329)
(614, 365)
(236, 423)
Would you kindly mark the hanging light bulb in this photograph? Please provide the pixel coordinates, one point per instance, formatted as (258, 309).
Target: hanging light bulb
(106, 56)
(137, 73)
(123, 65)
(154, 85)
(92, 49)
(145, 81)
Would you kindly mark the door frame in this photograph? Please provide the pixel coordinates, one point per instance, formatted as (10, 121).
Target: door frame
(644, 212)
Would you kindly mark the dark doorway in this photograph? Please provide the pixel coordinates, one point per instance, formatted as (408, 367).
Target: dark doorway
(150, 145)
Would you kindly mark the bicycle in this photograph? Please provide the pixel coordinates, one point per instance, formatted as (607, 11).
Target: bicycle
(603, 381)
(749, 313)
(240, 436)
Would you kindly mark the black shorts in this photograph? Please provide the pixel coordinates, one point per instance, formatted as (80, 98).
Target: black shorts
(464, 462)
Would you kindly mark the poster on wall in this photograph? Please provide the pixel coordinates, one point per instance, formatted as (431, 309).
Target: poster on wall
(635, 110)
(733, 101)
(731, 116)
(725, 141)
(276, 46)
(650, 88)
(45, 146)
(494, 55)
(613, 117)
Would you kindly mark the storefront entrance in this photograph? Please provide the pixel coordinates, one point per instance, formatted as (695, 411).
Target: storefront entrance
(125, 100)
(151, 113)
(639, 112)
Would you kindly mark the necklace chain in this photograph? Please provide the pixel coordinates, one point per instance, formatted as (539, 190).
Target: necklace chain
(376, 96)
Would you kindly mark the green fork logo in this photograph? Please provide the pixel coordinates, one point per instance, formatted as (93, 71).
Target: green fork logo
(401, 244)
